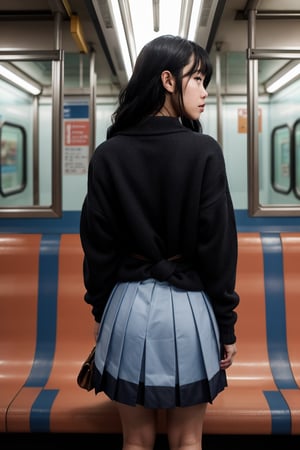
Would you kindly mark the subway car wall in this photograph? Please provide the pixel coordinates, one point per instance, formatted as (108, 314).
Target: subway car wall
(279, 110)
(275, 111)
(16, 108)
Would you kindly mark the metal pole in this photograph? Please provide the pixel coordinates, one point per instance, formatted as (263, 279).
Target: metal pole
(252, 105)
(218, 94)
(92, 102)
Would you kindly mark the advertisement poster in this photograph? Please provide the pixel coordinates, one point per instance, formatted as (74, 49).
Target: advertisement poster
(243, 117)
(76, 139)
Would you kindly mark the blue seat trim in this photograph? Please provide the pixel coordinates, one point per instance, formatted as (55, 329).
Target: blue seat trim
(276, 333)
(281, 415)
(275, 312)
(40, 411)
(47, 311)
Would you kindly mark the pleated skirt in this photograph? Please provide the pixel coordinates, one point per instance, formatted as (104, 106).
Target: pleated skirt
(158, 346)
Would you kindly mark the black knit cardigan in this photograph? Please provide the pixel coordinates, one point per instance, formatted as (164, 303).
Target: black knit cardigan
(160, 190)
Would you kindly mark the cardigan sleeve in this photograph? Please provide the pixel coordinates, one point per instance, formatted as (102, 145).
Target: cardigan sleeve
(217, 249)
(99, 246)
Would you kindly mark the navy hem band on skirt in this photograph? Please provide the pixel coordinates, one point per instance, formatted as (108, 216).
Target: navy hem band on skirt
(158, 396)
(158, 346)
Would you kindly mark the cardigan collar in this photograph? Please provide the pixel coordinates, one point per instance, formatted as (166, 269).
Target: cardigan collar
(155, 125)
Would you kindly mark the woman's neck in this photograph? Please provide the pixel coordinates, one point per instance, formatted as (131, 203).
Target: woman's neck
(166, 112)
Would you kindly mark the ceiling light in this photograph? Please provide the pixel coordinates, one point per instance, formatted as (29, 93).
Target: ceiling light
(283, 77)
(144, 32)
(12, 76)
(118, 25)
(182, 19)
(194, 20)
(155, 7)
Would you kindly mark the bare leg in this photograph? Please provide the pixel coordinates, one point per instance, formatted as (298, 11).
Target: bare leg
(185, 426)
(139, 427)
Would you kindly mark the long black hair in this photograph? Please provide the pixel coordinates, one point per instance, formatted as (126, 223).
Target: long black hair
(144, 94)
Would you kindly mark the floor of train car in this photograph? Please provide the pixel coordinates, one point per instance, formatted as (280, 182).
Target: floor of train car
(37, 441)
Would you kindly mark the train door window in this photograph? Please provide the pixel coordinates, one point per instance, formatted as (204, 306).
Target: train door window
(273, 83)
(296, 157)
(281, 159)
(12, 159)
(273, 144)
(31, 113)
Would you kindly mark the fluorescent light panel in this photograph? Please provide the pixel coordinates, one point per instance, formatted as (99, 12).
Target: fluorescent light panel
(17, 80)
(285, 78)
(143, 27)
(116, 15)
(195, 17)
(169, 16)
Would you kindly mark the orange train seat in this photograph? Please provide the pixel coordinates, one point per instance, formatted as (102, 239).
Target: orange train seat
(60, 404)
(19, 259)
(242, 406)
(262, 397)
(291, 265)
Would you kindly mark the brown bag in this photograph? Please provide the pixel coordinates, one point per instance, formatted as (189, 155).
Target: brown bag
(85, 375)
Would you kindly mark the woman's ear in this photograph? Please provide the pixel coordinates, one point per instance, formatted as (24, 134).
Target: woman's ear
(168, 81)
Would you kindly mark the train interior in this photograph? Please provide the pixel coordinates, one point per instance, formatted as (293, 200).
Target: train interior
(78, 55)
(63, 64)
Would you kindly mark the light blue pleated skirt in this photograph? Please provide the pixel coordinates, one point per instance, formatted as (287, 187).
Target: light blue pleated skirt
(158, 346)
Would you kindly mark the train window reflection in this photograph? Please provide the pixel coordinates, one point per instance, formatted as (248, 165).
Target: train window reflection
(281, 159)
(33, 188)
(274, 165)
(12, 159)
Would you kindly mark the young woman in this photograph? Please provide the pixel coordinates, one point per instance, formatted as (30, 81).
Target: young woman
(160, 251)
